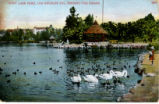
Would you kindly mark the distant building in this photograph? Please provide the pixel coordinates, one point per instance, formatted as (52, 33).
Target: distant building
(11, 30)
(52, 38)
(95, 33)
(38, 29)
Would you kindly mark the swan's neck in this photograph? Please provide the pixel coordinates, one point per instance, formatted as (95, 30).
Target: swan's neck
(112, 73)
(125, 73)
(79, 76)
(96, 75)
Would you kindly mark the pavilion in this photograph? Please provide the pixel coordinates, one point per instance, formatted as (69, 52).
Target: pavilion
(95, 33)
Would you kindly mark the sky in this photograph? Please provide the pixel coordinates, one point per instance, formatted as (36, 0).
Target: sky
(29, 16)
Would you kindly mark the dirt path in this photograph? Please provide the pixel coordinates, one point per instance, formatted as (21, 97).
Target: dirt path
(148, 89)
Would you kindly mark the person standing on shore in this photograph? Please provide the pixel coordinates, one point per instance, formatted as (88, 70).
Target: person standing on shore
(151, 54)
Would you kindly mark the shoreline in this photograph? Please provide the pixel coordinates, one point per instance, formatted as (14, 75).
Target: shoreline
(146, 90)
(97, 45)
(121, 45)
(100, 45)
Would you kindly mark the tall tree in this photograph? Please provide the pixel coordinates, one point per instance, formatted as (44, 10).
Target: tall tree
(89, 20)
(74, 28)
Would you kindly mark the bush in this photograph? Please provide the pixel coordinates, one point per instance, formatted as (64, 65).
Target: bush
(155, 43)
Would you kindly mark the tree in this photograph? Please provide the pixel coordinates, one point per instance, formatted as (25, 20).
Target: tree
(58, 34)
(145, 29)
(6, 37)
(45, 35)
(50, 30)
(89, 20)
(28, 35)
(20, 34)
(149, 17)
(111, 28)
(14, 36)
(151, 30)
(74, 27)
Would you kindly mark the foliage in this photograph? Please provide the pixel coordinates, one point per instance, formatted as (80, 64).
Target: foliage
(26, 35)
(73, 30)
(89, 20)
(6, 37)
(75, 26)
(145, 30)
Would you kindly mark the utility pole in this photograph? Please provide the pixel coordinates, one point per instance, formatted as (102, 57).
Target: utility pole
(102, 11)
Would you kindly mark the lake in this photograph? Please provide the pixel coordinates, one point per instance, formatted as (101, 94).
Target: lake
(36, 73)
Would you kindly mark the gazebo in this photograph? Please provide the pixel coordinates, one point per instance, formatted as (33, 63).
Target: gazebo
(95, 33)
(52, 38)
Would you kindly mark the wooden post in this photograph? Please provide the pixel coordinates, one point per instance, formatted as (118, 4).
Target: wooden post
(102, 11)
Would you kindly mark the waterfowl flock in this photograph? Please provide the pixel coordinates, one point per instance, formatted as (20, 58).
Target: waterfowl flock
(76, 75)
(106, 77)
(35, 73)
(94, 74)
(99, 75)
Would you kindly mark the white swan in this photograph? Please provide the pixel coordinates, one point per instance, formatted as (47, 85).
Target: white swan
(107, 76)
(91, 78)
(76, 79)
(119, 74)
(149, 74)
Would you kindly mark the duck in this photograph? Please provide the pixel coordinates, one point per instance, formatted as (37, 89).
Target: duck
(76, 79)
(60, 67)
(124, 66)
(50, 68)
(117, 81)
(1, 69)
(35, 73)
(119, 74)
(14, 73)
(8, 81)
(55, 71)
(7, 75)
(91, 78)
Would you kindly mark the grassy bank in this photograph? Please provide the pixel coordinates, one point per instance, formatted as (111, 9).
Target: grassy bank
(147, 89)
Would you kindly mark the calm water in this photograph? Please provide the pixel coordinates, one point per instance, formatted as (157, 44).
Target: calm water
(56, 86)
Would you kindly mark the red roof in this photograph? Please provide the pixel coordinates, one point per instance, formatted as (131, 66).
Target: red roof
(11, 30)
(95, 29)
(40, 27)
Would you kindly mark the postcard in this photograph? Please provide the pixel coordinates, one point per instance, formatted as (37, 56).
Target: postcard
(79, 50)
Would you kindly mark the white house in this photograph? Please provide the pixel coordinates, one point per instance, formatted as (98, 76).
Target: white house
(38, 29)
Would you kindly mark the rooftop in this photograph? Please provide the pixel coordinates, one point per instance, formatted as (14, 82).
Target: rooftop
(95, 29)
